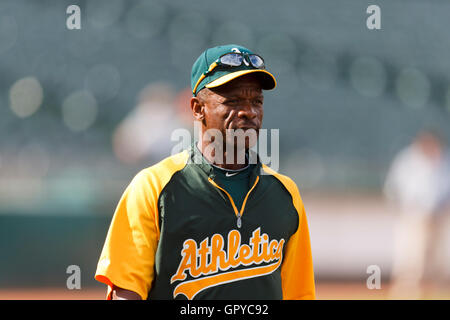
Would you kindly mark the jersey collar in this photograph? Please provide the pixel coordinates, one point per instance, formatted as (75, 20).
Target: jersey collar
(197, 159)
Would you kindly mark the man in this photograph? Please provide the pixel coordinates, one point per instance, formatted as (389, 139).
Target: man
(208, 223)
(418, 185)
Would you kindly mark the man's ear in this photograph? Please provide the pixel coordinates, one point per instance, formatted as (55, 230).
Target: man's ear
(198, 108)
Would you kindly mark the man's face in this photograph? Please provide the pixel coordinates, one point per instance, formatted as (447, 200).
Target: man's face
(235, 105)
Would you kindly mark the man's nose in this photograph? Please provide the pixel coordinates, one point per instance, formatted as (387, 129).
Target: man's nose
(247, 110)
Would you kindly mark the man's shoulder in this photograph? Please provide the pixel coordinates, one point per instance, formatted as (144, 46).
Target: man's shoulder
(161, 172)
(288, 182)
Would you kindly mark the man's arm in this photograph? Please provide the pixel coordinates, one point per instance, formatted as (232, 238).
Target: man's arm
(123, 294)
(297, 271)
(127, 257)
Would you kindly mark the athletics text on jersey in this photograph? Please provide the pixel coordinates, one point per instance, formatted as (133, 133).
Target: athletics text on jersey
(177, 233)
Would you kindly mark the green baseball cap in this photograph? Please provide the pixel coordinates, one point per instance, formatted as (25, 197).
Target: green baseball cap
(205, 73)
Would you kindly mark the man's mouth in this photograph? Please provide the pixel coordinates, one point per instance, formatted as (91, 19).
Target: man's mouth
(247, 127)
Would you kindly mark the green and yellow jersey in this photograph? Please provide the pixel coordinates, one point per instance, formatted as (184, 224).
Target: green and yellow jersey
(177, 233)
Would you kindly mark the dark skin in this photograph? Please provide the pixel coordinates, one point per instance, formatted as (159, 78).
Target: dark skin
(237, 104)
(123, 294)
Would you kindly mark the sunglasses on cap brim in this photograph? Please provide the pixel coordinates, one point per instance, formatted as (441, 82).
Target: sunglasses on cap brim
(231, 60)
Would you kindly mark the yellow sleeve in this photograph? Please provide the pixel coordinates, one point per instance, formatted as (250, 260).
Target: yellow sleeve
(297, 272)
(127, 258)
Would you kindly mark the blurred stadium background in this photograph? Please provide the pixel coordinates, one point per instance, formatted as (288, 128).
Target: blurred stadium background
(82, 111)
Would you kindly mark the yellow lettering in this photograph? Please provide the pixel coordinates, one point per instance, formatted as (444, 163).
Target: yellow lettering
(245, 254)
(217, 253)
(255, 240)
(272, 249)
(234, 242)
(189, 254)
(195, 260)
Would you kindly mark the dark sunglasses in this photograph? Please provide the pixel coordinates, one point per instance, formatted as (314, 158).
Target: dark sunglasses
(233, 59)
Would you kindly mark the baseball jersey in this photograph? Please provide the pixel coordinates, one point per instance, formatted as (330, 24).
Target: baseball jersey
(178, 234)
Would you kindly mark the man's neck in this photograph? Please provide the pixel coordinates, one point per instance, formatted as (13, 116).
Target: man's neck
(221, 160)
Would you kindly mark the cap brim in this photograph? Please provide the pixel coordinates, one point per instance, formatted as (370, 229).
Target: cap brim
(268, 81)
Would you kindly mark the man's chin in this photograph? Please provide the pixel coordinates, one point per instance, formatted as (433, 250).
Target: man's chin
(244, 138)
(241, 145)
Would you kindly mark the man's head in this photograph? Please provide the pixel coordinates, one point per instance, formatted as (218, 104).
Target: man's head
(218, 65)
(229, 98)
(430, 142)
(237, 104)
